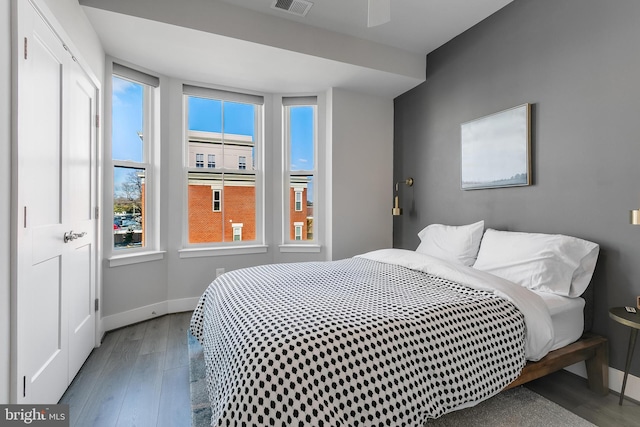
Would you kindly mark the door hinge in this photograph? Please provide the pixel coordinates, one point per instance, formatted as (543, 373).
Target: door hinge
(25, 48)
(97, 120)
(97, 304)
(24, 217)
(97, 212)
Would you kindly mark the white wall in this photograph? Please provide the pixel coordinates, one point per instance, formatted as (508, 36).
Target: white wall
(362, 173)
(131, 293)
(5, 196)
(358, 204)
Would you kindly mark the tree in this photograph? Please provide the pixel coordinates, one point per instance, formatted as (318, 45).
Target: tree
(130, 195)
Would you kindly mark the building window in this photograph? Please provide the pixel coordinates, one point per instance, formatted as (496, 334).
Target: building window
(217, 200)
(132, 154)
(300, 146)
(226, 126)
(298, 200)
(237, 232)
(199, 160)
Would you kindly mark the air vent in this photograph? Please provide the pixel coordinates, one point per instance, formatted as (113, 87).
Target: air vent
(295, 7)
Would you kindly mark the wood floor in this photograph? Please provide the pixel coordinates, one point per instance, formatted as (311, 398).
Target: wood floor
(140, 377)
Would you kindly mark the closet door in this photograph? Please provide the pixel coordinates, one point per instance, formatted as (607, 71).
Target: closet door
(55, 283)
(80, 171)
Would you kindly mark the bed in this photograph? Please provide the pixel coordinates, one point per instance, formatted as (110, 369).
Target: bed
(396, 337)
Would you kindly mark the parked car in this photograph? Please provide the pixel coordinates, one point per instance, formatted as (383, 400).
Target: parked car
(130, 224)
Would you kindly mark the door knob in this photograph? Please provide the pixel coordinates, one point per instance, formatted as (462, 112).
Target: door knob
(70, 235)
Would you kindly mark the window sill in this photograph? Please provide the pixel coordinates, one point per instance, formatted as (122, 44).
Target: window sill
(230, 250)
(135, 258)
(291, 248)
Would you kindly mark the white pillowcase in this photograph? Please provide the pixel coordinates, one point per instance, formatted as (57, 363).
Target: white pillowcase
(457, 244)
(551, 263)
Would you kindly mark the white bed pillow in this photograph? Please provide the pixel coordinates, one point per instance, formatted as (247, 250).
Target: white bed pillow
(457, 244)
(551, 263)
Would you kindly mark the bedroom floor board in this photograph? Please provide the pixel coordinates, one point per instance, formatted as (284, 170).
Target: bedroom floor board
(572, 393)
(140, 376)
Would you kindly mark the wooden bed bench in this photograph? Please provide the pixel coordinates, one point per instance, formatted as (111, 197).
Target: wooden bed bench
(591, 348)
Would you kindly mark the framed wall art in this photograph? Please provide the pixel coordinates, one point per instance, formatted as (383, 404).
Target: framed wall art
(496, 150)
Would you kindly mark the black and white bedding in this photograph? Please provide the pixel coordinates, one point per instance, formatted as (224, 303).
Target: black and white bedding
(389, 338)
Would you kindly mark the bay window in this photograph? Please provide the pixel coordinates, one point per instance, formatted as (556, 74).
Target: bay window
(227, 128)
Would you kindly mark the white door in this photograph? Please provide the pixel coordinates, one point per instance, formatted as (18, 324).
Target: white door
(55, 281)
(80, 171)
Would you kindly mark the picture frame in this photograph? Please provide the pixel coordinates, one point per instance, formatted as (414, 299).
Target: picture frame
(496, 150)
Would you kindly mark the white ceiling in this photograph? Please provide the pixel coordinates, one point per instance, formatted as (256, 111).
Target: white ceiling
(246, 44)
(418, 26)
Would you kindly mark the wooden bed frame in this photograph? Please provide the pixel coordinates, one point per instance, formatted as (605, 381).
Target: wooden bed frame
(591, 348)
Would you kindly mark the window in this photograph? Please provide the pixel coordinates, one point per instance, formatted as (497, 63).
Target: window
(217, 200)
(199, 160)
(298, 200)
(132, 150)
(227, 127)
(237, 232)
(300, 136)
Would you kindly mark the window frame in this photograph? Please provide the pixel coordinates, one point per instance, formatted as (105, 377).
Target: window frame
(287, 103)
(199, 160)
(237, 231)
(190, 250)
(216, 192)
(150, 164)
(297, 194)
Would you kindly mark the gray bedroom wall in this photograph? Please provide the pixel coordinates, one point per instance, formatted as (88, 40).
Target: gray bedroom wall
(577, 62)
(362, 147)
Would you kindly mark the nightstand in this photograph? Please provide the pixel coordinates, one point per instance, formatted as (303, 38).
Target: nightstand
(632, 320)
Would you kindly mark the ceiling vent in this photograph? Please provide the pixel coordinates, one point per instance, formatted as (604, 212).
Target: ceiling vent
(295, 7)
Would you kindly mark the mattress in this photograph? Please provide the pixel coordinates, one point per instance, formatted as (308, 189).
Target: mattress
(567, 318)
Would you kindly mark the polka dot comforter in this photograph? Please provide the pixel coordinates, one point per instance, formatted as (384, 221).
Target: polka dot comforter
(356, 342)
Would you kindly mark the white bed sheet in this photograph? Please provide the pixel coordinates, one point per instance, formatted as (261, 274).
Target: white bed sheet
(567, 318)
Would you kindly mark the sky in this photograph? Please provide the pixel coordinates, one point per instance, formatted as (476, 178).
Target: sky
(204, 115)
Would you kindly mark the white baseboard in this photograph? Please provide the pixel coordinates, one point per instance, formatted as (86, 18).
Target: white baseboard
(147, 312)
(632, 390)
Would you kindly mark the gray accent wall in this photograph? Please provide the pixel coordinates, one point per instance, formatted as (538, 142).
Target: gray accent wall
(577, 63)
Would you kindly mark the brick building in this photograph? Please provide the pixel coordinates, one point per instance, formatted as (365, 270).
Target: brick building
(222, 196)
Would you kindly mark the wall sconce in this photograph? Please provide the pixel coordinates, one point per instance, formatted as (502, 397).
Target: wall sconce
(397, 210)
(635, 217)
